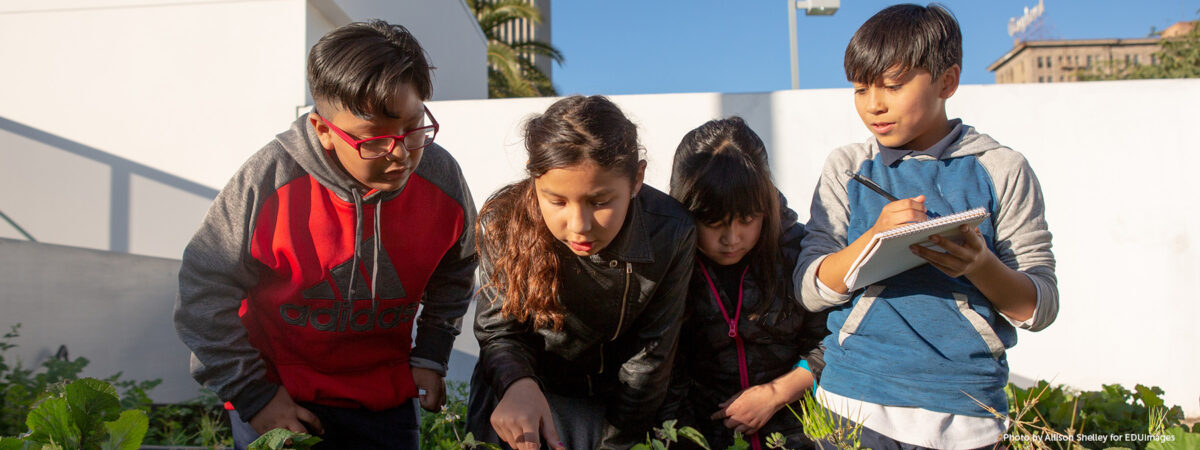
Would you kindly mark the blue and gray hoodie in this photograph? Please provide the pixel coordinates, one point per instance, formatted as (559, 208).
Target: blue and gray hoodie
(921, 338)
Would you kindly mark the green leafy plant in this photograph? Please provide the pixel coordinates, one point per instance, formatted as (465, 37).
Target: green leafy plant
(668, 434)
(85, 414)
(1061, 411)
(198, 422)
(823, 425)
(446, 429)
(1057, 417)
(281, 438)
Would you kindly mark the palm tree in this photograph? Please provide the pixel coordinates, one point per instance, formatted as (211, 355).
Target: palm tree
(511, 72)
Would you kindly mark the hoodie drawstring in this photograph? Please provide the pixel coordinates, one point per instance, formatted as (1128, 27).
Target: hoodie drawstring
(358, 223)
(375, 257)
(358, 217)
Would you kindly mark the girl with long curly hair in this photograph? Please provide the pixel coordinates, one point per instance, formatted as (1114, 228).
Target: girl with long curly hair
(583, 271)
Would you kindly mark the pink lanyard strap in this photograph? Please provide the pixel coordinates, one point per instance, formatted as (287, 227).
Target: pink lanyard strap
(733, 324)
(733, 332)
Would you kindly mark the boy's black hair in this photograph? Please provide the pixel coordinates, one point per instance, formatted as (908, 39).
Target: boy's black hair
(359, 67)
(904, 37)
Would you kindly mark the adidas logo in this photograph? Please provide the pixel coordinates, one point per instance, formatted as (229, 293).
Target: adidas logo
(341, 315)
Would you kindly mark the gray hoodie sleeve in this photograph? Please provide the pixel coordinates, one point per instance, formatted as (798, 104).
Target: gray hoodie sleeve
(826, 229)
(216, 273)
(451, 286)
(1022, 236)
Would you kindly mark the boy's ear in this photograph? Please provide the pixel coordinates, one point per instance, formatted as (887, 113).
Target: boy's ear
(949, 81)
(324, 134)
(639, 177)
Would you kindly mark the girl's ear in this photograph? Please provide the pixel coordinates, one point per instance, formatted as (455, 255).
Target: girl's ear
(324, 134)
(639, 177)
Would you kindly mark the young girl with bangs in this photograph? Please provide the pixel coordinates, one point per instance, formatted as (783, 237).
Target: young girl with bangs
(584, 273)
(744, 332)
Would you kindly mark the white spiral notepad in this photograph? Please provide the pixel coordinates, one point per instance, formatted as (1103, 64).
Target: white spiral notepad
(887, 253)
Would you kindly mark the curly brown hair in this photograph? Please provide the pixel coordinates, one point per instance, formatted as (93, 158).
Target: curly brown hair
(511, 234)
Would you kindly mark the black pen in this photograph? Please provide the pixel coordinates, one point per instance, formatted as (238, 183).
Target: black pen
(871, 185)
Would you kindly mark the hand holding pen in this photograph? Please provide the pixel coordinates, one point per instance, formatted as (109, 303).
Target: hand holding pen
(897, 213)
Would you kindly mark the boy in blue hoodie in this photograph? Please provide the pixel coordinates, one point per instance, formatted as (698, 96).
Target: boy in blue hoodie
(915, 358)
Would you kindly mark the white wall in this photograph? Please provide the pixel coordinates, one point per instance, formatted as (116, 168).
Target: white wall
(1112, 158)
(194, 86)
(183, 86)
(114, 309)
(447, 30)
(63, 192)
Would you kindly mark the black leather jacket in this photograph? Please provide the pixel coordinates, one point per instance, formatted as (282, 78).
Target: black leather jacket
(776, 333)
(624, 307)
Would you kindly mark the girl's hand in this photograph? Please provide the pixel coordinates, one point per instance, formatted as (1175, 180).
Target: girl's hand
(523, 412)
(749, 410)
(897, 213)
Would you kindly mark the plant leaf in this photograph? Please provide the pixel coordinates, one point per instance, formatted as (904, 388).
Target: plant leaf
(693, 435)
(1149, 396)
(11, 443)
(127, 432)
(668, 432)
(50, 422)
(91, 402)
(277, 439)
(1175, 438)
(739, 442)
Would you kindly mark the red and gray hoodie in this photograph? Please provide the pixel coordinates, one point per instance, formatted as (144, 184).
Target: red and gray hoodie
(301, 278)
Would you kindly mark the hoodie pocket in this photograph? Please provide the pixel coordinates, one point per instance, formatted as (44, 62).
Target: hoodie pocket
(989, 336)
(859, 312)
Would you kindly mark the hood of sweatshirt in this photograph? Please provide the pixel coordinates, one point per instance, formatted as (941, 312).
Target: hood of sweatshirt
(971, 142)
(301, 143)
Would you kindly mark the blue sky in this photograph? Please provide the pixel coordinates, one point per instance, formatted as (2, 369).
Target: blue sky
(665, 46)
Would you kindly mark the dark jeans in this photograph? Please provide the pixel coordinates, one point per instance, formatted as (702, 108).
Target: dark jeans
(347, 428)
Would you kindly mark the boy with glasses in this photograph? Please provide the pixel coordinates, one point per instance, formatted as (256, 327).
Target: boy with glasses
(299, 291)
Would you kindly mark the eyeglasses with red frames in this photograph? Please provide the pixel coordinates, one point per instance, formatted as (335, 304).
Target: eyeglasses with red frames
(380, 146)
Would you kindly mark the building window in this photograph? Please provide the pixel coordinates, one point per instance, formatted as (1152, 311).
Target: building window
(1048, 63)
(1089, 60)
(1041, 80)
(1153, 60)
(1127, 59)
(1135, 60)
(1039, 62)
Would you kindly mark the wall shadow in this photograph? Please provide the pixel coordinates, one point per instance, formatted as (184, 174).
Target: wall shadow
(122, 171)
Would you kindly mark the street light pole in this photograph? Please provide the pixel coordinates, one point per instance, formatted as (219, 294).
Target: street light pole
(795, 61)
(811, 8)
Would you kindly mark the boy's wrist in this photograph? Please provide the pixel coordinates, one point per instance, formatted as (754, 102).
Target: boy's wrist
(989, 267)
(253, 398)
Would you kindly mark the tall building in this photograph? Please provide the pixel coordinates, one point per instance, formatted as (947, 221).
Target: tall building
(525, 30)
(1055, 61)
